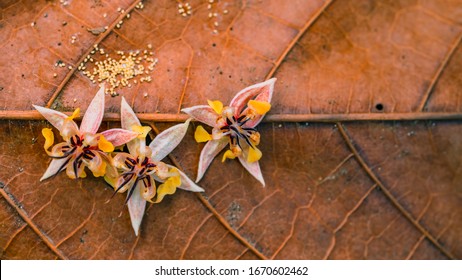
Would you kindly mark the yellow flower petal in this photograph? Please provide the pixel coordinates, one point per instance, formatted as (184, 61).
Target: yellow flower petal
(75, 114)
(71, 174)
(254, 155)
(105, 145)
(261, 107)
(111, 180)
(142, 130)
(169, 187)
(216, 105)
(228, 154)
(175, 181)
(201, 135)
(49, 138)
(148, 193)
(100, 171)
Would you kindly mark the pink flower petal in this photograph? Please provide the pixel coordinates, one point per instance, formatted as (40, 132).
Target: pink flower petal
(209, 152)
(128, 120)
(54, 166)
(94, 114)
(186, 183)
(69, 129)
(253, 168)
(118, 136)
(166, 141)
(202, 113)
(261, 91)
(136, 206)
(77, 173)
(54, 117)
(128, 117)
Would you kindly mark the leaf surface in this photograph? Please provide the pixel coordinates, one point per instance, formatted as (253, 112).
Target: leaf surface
(352, 187)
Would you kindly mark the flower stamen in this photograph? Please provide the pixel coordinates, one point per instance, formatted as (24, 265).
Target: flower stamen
(139, 168)
(132, 189)
(61, 168)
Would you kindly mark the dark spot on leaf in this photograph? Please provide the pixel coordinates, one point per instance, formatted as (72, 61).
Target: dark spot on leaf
(96, 31)
(234, 213)
(379, 106)
(214, 45)
(403, 153)
(326, 47)
(59, 44)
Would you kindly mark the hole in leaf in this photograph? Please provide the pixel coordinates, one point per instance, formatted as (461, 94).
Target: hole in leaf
(379, 106)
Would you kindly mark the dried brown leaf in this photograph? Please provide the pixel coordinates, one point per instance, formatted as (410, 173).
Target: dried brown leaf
(356, 190)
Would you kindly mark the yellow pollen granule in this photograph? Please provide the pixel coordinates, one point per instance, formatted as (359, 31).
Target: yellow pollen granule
(121, 70)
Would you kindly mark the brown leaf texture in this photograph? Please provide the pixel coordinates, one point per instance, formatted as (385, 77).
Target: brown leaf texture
(369, 169)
